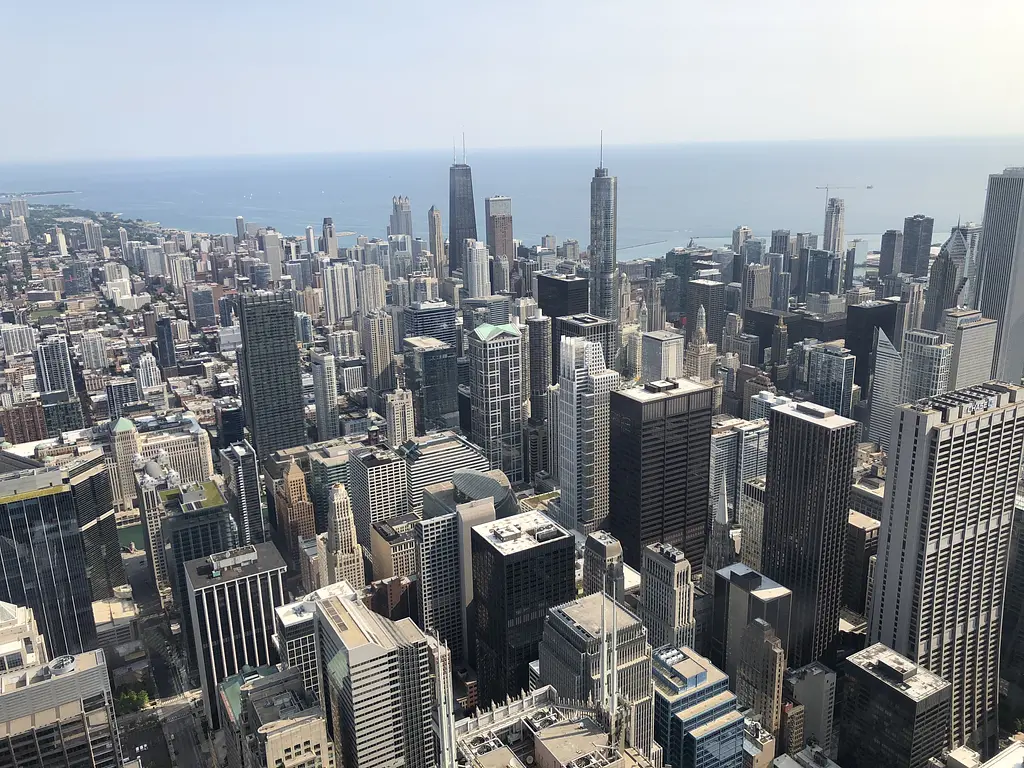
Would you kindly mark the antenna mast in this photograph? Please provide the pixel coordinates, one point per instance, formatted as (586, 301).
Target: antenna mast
(602, 148)
(463, 147)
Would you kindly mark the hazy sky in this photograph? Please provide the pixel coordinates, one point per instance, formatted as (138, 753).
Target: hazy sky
(119, 78)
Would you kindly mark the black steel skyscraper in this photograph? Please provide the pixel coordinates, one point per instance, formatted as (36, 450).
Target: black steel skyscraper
(461, 213)
(268, 370)
(917, 244)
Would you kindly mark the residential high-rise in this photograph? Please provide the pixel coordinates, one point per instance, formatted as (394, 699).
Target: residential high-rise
(401, 422)
(461, 214)
(121, 391)
(926, 362)
(341, 296)
(759, 672)
(810, 469)
(780, 242)
(60, 714)
(325, 395)
(166, 352)
(834, 239)
(560, 295)
(740, 235)
(476, 270)
(890, 260)
(895, 712)
(269, 372)
(377, 488)
(343, 558)
(659, 455)
(741, 596)
(232, 596)
(974, 341)
(508, 557)
(580, 425)
(830, 377)
(371, 288)
(23, 422)
(53, 365)
(436, 319)
(401, 216)
(952, 474)
(576, 635)
(757, 287)
(696, 720)
(439, 264)
(240, 468)
(1001, 270)
(386, 667)
(917, 245)
(45, 563)
(379, 348)
(603, 239)
(498, 212)
(709, 294)
(666, 597)
(496, 402)
(662, 355)
(328, 238)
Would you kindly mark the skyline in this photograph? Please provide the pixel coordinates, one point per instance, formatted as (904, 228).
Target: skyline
(206, 81)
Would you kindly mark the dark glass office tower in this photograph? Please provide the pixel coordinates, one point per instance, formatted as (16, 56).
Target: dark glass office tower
(89, 481)
(269, 372)
(891, 253)
(435, 319)
(461, 214)
(806, 512)
(944, 286)
(586, 326)
(43, 563)
(659, 466)
(780, 241)
(522, 566)
(824, 272)
(559, 295)
(432, 375)
(861, 322)
(917, 244)
(709, 294)
(166, 354)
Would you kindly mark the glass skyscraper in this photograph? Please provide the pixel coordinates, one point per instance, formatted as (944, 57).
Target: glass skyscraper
(461, 214)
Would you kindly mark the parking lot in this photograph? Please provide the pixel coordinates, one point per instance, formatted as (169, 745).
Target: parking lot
(146, 741)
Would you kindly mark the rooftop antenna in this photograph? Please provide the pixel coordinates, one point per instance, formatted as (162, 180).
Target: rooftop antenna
(455, 157)
(601, 165)
(463, 147)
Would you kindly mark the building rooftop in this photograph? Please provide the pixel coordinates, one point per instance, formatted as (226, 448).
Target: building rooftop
(862, 521)
(423, 343)
(815, 414)
(898, 672)
(20, 679)
(396, 529)
(965, 403)
(584, 615)
(301, 611)
(194, 498)
(761, 586)
(233, 565)
(486, 331)
(665, 336)
(521, 532)
(584, 319)
(678, 671)
(661, 390)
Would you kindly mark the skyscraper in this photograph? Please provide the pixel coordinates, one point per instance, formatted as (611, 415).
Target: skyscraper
(325, 394)
(834, 238)
(498, 212)
(580, 419)
(167, 354)
(885, 388)
(666, 596)
(341, 299)
(861, 321)
(401, 217)
(559, 295)
(810, 469)
(496, 402)
(917, 244)
(757, 287)
(232, 597)
(603, 244)
(343, 558)
(586, 326)
(328, 238)
(431, 374)
(951, 479)
(946, 284)
(896, 713)
(439, 265)
(476, 271)
(759, 672)
(1001, 270)
(662, 355)
(461, 214)
(436, 319)
(926, 360)
(709, 294)
(371, 288)
(522, 565)
(377, 488)
(891, 255)
(53, 365)
(830, 377)
(779, 242)
(269, 373)
(294, 511)
(401, 422)
(659, 454)
(974, 341)
(240, 467)
(379, 348)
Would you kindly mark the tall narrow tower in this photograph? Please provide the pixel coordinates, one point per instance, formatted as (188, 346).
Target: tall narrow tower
(603, 237)
(461, 213)
(835, 213)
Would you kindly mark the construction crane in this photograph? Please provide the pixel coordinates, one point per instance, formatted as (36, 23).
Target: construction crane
(828, 187)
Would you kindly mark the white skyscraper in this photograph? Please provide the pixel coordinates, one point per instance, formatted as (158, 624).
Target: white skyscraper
(974, 342)
(147, 372)
(581, 412)
(340, 295)
(666, 596)
(835, 212)
(342, 559)
(951, 480)
(926, 360)
(94, 351)
(325, 394)
(1001, 270)
(310, 240)
(376, 485)
(885, 389)
(401, 420)
(477, 273)
(496, 402)
(498, 214)
(662, 355)
(379, 347)
(273, 253)
(401, 217)
(371, 288)
(53, 365)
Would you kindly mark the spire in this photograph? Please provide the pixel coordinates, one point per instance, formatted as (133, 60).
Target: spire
(463, 147)
(601, 162)
(702, 319)
(721, 509)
